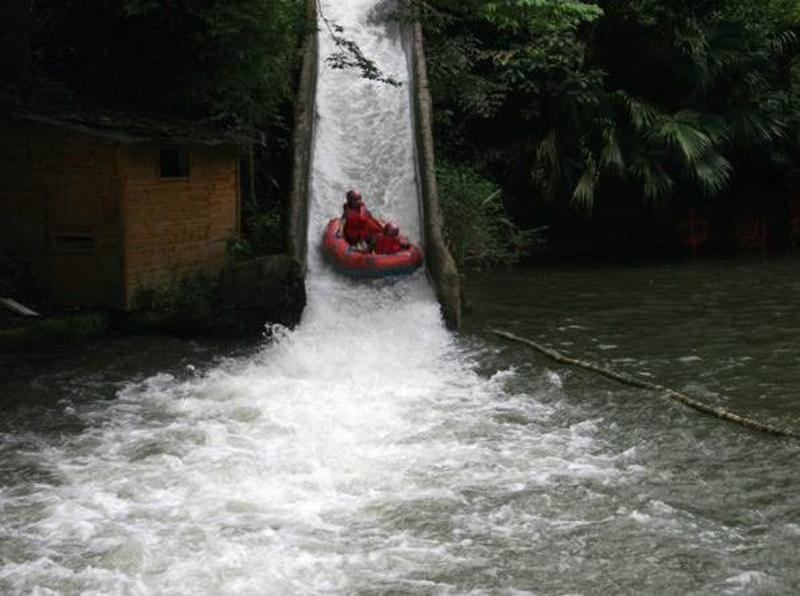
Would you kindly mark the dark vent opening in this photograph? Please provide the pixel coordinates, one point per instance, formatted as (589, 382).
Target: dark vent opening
(74, 244)
(174, 162)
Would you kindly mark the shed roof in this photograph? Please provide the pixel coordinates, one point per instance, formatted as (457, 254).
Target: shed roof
(125, 126)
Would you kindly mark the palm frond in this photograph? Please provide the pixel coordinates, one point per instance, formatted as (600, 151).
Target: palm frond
(611, 153)
(583, 195)
(716, 127)
(692, 39)
(751, 124)
(642, 114)
(783, 41)
(680, 131)
(656, 183)
(712, 172)
(547, 151)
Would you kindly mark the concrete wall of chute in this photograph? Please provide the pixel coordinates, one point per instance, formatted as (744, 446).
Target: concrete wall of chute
(303, 144)
(440, 263)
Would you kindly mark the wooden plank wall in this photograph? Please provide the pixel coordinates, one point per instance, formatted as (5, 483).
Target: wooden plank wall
(59, 199)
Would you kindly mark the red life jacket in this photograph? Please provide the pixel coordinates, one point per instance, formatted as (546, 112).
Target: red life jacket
(356, 220)
(387, 245)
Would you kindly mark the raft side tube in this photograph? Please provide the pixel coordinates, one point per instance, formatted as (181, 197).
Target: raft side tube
(355, 263)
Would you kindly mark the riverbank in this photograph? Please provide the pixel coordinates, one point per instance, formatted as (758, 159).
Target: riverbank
(56, 332)
(79, 327)
(43, 333)
(240, 302)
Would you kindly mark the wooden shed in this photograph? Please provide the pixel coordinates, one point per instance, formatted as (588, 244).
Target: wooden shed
(100, 206)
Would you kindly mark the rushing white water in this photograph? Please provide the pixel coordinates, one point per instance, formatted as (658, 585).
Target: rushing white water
(360, 452)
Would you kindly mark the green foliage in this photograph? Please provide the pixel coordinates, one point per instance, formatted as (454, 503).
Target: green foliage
(659, 151)
(267, 234)
(239, 248)
(579, 98)
(479, 232)
(264, 234)
(194, 59)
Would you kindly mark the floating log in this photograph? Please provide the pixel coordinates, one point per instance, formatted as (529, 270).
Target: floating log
(635, 382)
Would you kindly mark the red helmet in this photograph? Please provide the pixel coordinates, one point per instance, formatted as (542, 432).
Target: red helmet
(353, 197)
(391, 229)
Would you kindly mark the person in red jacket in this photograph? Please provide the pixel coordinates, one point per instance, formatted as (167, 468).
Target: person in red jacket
(358, 226)
(390, 241)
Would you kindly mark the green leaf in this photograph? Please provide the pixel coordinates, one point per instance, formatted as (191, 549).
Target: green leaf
(611, 154)
(583, 195)
(713, 172)
(680, 131)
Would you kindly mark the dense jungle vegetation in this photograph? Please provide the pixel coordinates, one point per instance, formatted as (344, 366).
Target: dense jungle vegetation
(579, 109)
(546, 110)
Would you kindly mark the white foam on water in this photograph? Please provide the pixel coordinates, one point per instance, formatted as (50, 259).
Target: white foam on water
(747, 582)
(690, 359)
(324, 463)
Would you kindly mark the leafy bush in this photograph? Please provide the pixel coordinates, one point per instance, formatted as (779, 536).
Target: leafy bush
(478, 229)
(239, 248)
(266, 233)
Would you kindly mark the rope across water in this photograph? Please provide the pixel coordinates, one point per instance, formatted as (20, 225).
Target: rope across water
(635, 382)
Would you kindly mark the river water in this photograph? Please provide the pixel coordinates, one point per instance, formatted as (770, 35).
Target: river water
(372, 451)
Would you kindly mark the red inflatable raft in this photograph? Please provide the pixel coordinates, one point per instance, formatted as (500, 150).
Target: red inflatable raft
(355, 263)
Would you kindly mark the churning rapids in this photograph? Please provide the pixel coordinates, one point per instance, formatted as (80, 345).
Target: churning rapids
(368, 451)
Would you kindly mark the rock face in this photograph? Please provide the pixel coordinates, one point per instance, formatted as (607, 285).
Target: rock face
(268, 289)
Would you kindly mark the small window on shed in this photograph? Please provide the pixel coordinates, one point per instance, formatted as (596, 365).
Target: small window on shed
(174, 162)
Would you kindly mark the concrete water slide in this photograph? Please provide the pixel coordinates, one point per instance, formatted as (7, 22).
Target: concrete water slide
(441, 267)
